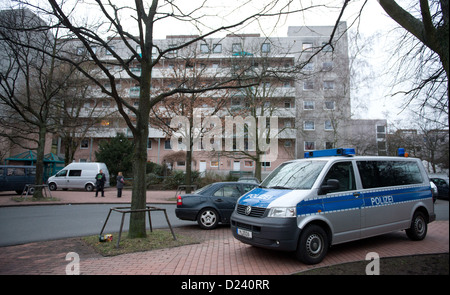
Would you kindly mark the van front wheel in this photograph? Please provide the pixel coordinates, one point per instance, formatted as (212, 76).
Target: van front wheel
(312, 245)
(419, 227)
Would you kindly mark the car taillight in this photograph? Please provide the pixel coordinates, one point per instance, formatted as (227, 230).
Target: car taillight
(179, 201)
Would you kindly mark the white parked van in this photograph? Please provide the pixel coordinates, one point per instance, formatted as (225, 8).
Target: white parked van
(78, 176)
(332, 197)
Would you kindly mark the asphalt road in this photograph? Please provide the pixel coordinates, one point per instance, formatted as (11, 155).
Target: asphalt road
(25, 224)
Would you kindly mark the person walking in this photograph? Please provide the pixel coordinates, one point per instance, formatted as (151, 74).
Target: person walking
(100, 180)
(120, 182)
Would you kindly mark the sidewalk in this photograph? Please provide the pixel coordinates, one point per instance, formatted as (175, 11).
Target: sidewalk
(83, 197)
(217, 254)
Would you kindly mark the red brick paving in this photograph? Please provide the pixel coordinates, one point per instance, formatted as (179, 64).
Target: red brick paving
(219, 254)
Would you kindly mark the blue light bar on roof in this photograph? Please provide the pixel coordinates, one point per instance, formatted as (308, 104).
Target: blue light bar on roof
(330, 153)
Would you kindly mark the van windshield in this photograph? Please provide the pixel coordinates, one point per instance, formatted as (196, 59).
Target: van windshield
(294, 175)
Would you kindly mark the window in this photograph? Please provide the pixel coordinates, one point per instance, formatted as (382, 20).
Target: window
(228, 191)
(167, 145)
(109, 51)
(84, 144)
(326, 47)
(75, 173)
(296, 175)
(217, 48)
(343, 172)
(328, 125)
(265, 48)
(247, 187)
(308, 125)
(309, 67)
(308, 105)
(307, 46)
(381, 129)
(80, 50)
(308, 85)
(329, 105)
(327, 66)
(61, 173)
(328, 85)
(329, 145)
(310, 145)
(388, 173)
(204, 48)
(149, 143)
(236, 47)
(248, 163)
(214, 163)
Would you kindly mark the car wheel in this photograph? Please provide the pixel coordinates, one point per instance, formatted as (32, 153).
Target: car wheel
(52, 186)
(89, 187)
(312, 245)
(208, 218)
(419, 227)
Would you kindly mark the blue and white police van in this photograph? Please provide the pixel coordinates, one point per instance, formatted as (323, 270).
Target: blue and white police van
(331, 197)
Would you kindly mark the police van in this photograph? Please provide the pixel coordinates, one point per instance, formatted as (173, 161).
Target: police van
(331, 197)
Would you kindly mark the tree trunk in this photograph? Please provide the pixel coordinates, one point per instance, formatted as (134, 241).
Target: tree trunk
(140, 134)
(139, 194)
(40, 153)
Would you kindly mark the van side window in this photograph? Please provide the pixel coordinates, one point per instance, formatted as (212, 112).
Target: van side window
(75, 173)
(61, 173)
(388, 173)
(342, 171)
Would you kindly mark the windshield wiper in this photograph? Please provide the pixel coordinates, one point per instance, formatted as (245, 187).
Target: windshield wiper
(279, 187)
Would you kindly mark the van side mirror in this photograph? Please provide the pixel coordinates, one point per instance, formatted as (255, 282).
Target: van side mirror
(332, 184)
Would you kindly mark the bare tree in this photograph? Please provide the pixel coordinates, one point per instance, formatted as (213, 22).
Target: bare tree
(30, 83)
(145, 17)
(138, 49)
(428, 22)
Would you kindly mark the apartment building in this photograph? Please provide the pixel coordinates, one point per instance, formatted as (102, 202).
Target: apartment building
(302, 80)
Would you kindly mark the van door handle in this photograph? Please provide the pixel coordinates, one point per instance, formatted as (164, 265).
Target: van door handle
(356, 195)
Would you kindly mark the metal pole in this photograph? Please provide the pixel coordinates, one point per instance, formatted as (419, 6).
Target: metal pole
(120, 232)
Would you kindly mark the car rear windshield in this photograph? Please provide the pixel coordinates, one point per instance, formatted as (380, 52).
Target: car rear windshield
(294, 175)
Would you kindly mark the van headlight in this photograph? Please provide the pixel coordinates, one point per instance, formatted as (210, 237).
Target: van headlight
(283, 212)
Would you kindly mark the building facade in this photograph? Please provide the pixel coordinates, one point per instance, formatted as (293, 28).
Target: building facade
(302, 80)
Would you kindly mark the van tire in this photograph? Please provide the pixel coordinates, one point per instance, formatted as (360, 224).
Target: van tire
(89, 187)
(313, 244)
(419, 227)
(52, 186)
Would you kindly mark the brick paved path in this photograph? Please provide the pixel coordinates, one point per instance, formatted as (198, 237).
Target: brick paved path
(219, 253)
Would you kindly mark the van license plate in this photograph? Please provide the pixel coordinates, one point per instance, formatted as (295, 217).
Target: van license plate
(244, 233)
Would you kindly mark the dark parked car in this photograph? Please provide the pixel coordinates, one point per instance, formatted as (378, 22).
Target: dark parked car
(211, 204)
(250, 179)
(442, 186)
